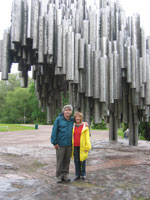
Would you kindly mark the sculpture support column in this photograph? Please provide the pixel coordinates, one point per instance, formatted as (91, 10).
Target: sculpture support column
(113, 126)
(133, 128)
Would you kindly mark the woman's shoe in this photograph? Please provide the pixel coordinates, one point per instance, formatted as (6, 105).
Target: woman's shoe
(76, 178)
(83, 177)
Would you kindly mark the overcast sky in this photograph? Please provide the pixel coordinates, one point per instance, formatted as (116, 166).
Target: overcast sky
(133, 6)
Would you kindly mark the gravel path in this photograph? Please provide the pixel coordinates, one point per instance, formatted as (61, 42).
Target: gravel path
(115, 171)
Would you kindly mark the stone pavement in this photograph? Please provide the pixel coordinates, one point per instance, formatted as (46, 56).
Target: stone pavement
(115, 171)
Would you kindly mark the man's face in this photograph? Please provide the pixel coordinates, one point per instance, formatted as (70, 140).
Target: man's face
(67, 112)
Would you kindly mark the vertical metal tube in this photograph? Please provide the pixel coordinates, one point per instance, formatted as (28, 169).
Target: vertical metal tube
(77, 22)
(77, 53)
(89, 72)
(24, 22)
(102, 79)
(113, 126)
(96, 74)
(82, 54)
(59, 46)
(96, 111)
(88, 110)
(35, 22)
(70, 55)
(46, 35)
(65, 24)
(133, 57)
(1, 55)
(148, 79)
(5, 55)
(129, 65)
(85, 31)
(104, 22)
(41, 39)
(51, 30)
(29, 19)
(82, 84)
(121, 50)
(111, 79)
(92, 29)
(16, 21)
(116, 75)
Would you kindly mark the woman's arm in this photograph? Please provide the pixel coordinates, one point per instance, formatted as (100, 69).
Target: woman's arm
(88, 142)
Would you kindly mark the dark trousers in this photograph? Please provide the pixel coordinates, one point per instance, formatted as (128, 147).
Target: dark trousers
(79, 166)
(63, 156)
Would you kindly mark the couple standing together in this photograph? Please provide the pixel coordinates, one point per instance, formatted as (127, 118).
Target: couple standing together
(70, 137)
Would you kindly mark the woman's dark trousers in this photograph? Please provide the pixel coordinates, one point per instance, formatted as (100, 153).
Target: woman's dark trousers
(79, 166)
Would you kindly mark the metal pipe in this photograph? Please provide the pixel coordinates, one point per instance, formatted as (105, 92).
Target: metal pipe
(1, 55)
(5, 55)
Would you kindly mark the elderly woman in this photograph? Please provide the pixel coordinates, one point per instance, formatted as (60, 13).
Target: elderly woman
(81, 145)
(61, 138)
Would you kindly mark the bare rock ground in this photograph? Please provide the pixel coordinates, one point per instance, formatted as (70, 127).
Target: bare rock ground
(115, 171)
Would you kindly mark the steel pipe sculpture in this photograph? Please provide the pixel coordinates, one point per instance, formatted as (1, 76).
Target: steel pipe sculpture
(95, 52)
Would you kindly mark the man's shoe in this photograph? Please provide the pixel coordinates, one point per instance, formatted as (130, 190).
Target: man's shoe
(59, 180)
(76, 178)
(66, 179)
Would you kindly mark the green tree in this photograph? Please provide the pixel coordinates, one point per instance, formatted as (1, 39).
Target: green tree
(144, 130)
(5, 86)
(36, 115)
(17, 108)
(21, 105)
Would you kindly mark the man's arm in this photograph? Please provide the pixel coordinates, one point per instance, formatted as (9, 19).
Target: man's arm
(54, 134)
(86, 124)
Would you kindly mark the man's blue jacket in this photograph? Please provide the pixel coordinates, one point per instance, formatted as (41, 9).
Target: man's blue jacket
(62, 131)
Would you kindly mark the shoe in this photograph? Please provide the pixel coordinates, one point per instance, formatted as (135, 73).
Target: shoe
(76, 178)
(83, 177)
(66, 179)
(59, 180)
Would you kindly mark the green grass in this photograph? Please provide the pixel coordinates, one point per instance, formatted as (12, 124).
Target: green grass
(14, 127)
(120, 133)
(96, 129)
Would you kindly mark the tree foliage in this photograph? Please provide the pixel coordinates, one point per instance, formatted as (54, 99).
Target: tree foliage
(36, 115)
(6, 86)
(100, 126)
(16, 106)
(19, 105)
(144, 130)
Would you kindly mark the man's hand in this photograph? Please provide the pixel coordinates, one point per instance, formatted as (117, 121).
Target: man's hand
(56, 146)
(86, 124)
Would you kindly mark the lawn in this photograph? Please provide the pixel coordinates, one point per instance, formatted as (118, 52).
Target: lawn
(14, 127)
(120, 133)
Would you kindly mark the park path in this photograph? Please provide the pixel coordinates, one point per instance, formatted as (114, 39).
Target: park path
(115, 171)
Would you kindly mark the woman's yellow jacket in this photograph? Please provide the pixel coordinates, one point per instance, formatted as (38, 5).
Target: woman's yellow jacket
(85, 144)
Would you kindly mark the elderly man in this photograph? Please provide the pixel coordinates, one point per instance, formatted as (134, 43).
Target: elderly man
(61, 138)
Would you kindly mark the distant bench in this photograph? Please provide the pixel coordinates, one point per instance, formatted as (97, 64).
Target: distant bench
(4, 127)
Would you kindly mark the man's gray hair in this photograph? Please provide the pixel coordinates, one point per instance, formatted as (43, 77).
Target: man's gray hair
(67, 107)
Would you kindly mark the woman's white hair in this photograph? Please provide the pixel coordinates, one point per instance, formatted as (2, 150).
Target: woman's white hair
(67, 107)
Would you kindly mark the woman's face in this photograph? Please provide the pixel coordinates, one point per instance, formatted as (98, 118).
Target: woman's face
(78, 119)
